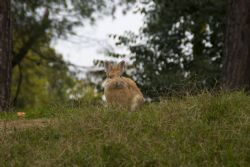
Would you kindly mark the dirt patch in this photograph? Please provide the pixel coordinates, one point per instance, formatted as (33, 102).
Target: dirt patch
(23, 124)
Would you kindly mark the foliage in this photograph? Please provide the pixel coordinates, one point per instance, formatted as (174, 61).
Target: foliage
(42, 80)
(202, 130)
(181, 42)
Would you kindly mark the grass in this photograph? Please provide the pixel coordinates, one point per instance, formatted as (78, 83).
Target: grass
(203, 130)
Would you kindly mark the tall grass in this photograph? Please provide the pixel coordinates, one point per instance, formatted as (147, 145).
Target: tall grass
(203, 130)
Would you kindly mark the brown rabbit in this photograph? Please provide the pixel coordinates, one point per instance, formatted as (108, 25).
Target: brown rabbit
(121, 91)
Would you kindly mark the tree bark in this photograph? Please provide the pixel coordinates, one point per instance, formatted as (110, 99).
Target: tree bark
(236, 67)
(19, 83)
(5, 55)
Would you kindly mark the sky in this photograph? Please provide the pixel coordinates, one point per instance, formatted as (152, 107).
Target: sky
(90, 41)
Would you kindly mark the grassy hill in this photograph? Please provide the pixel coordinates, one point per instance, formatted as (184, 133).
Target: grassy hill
(203, 130)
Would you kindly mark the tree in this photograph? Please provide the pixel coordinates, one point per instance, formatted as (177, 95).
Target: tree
(5, 55)
(236, 71)
(40, 81)
(35, 25)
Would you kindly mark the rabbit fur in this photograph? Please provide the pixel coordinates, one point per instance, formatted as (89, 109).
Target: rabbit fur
(121, 91)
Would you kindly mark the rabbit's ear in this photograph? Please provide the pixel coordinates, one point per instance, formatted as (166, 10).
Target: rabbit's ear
(108, 66)
(121, 66)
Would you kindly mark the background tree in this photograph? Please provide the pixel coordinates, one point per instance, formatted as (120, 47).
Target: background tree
(37, 68)
(5, 55)
(236, 73)
(43, 80)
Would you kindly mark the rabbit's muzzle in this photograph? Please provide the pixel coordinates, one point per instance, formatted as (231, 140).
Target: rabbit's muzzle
(118, 85)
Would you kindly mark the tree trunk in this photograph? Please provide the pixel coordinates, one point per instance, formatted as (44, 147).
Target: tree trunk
(5, 55)
(236, 67)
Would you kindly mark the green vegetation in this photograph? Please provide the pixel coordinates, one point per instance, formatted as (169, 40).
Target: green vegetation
(203, 130)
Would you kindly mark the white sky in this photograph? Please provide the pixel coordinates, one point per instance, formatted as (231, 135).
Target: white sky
(91, 40)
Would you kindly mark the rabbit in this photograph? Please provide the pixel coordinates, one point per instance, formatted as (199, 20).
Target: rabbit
(121, 91)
